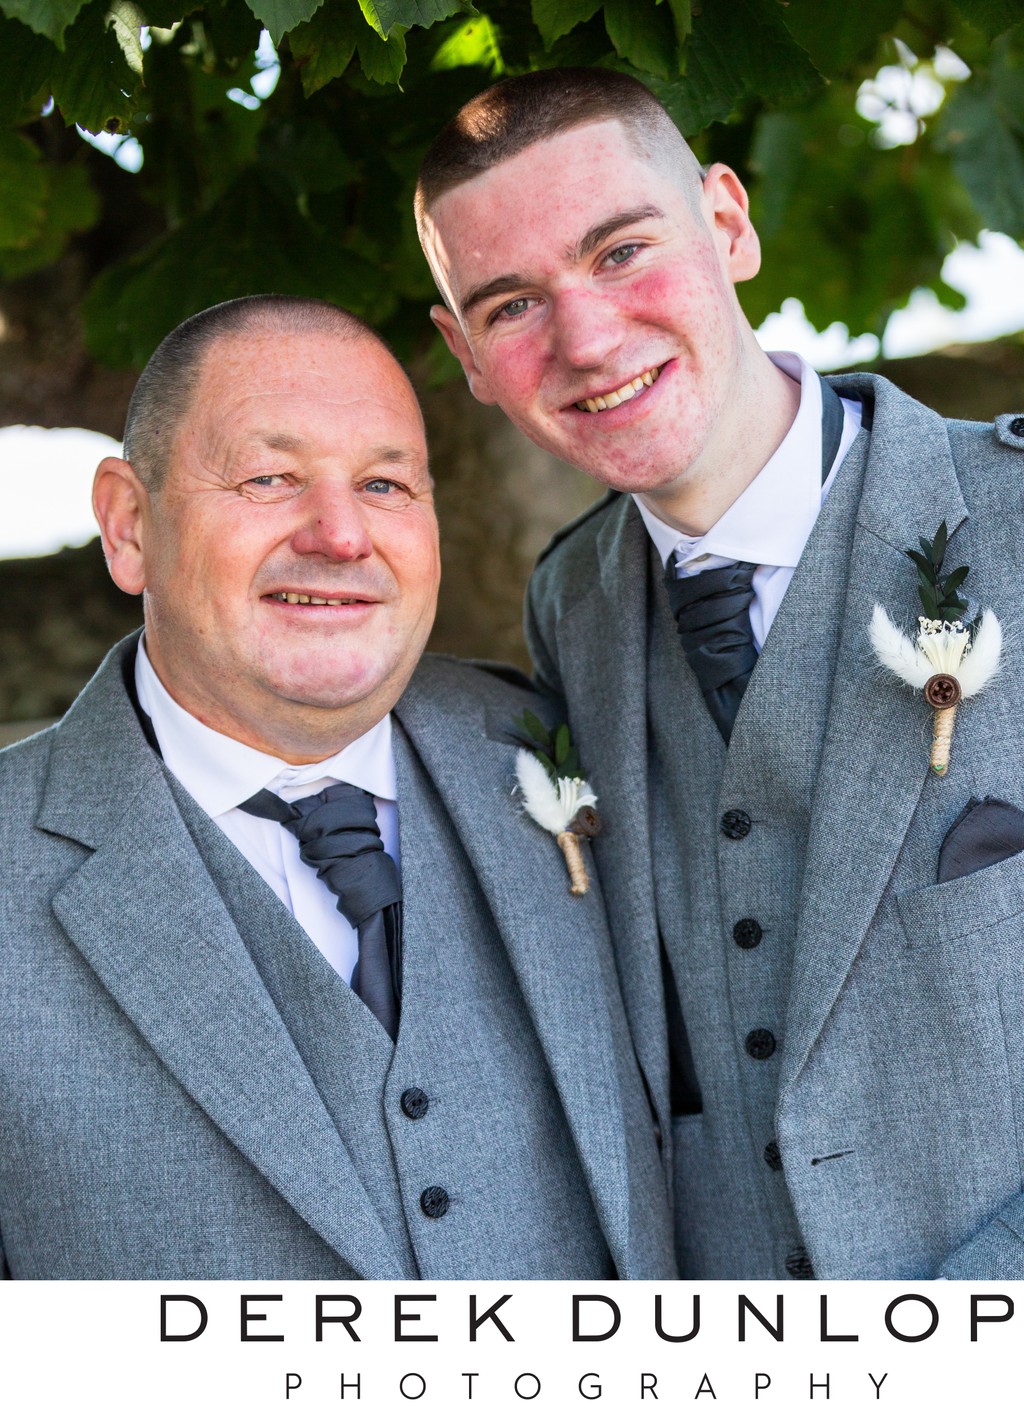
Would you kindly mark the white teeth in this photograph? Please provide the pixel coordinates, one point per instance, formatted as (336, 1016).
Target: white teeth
(292, 597)
(610, 399)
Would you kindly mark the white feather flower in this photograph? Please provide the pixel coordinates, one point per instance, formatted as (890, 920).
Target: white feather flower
(551, 805)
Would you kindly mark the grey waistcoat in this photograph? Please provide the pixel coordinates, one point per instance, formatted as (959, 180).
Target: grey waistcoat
(734, 999)
(489, 1089)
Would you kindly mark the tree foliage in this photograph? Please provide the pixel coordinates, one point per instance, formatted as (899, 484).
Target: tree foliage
(308, 188)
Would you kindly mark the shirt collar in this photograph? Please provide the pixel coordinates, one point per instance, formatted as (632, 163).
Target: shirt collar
(772, 519)
(221, 772)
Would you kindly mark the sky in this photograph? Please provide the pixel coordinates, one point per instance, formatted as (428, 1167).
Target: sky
(46, 476)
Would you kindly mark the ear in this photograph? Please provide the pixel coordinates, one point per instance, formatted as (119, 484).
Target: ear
(726, 209)
(458, 345)
(120, 501)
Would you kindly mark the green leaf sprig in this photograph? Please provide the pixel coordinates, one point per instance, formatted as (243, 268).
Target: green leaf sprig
(554, 748)
(940, 598)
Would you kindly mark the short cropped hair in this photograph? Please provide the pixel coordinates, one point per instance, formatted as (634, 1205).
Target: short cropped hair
(513, 114)
(164, 391)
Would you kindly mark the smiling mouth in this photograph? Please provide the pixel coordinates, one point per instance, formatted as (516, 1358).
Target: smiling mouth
(621, 394)
(308, 600)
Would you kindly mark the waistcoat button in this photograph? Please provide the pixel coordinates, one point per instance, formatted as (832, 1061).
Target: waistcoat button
(760, 1043)
(434, 1201)
(747, 933)
(773, 1156)
(414, 1102)
(798, 1264)
(1017, 426)
(736, 824)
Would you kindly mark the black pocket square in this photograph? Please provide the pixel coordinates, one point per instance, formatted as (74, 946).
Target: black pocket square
(983, 834)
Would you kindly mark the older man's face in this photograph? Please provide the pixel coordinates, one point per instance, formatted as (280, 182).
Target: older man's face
(291, 555)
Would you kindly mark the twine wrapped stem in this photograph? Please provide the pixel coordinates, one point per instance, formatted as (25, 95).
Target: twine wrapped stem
(942, 738)
(573, 853)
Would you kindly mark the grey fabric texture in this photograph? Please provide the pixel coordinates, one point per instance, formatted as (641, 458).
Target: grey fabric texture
(187, 1090)
(893, 1092)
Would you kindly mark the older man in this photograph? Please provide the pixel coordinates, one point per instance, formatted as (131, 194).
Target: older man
(839, 929)
(236, 1042)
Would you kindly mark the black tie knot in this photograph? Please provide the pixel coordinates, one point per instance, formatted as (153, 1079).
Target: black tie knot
(338, 836)
(712, 612)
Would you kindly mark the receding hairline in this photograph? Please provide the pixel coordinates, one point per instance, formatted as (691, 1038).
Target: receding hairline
(166, 389)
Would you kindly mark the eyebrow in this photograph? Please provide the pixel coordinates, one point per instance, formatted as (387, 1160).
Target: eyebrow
(387, 455)
(586, 245)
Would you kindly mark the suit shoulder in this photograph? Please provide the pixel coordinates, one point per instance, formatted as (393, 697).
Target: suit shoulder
(23, 769)
(987, 454)
(579, 533)
(493, 684)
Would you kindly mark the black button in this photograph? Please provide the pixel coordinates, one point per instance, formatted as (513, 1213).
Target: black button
(773, 1156)
(434, 1202)
(798, 1264)
(1017, 426)
(760, 1043)
(736, 824)
(747, 934)
(415, 1103)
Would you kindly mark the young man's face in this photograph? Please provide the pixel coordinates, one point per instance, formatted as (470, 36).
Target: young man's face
(579, 270)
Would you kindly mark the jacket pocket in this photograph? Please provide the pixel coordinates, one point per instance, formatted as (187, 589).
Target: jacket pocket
(980, 901)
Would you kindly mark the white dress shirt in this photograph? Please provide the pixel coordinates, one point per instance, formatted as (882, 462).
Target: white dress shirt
(771, 521)
(220, 773)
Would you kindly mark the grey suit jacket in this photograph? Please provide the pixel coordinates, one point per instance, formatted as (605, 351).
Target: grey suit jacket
(906, 1003)
(157, 1118)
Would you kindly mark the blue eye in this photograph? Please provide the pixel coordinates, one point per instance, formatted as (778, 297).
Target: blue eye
(623, 253)
(515, 308)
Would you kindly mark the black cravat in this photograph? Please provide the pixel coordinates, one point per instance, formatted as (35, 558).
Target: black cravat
(712, 609)
(338, 835)
(712, 612)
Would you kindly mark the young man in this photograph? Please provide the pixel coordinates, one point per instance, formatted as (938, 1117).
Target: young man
(291, 986)
(825, 991)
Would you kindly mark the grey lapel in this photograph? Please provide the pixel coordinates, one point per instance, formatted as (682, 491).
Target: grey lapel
(145, 915)
(602, 644)
(549, 936)
(874, 761)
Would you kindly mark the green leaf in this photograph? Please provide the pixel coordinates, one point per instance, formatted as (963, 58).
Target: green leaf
(244, 244)
(554, 18)
(23, 180)
(919, 558)
(562, 743)
(982, 127)
(280, 16)
(382, 61)
(126, 20)
(474, 44)
(49, 18)
(992, 17)
(644, 35)
(27, 61)
(323, 48)
(835, 36)
(939, 546)
(71, 205)
(737, 52)
(535, 729)
(92, 82)
(386, 16)
(954, 581)
(682, 18)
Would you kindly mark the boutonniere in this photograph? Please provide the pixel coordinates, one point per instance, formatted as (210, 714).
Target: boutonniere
(555, 794)
(949, 660)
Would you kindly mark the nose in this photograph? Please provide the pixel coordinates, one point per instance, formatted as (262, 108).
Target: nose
(334, 525)
(588, 328)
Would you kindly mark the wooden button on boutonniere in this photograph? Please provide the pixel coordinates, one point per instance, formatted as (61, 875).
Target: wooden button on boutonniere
(555, 794)
(949, 660)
